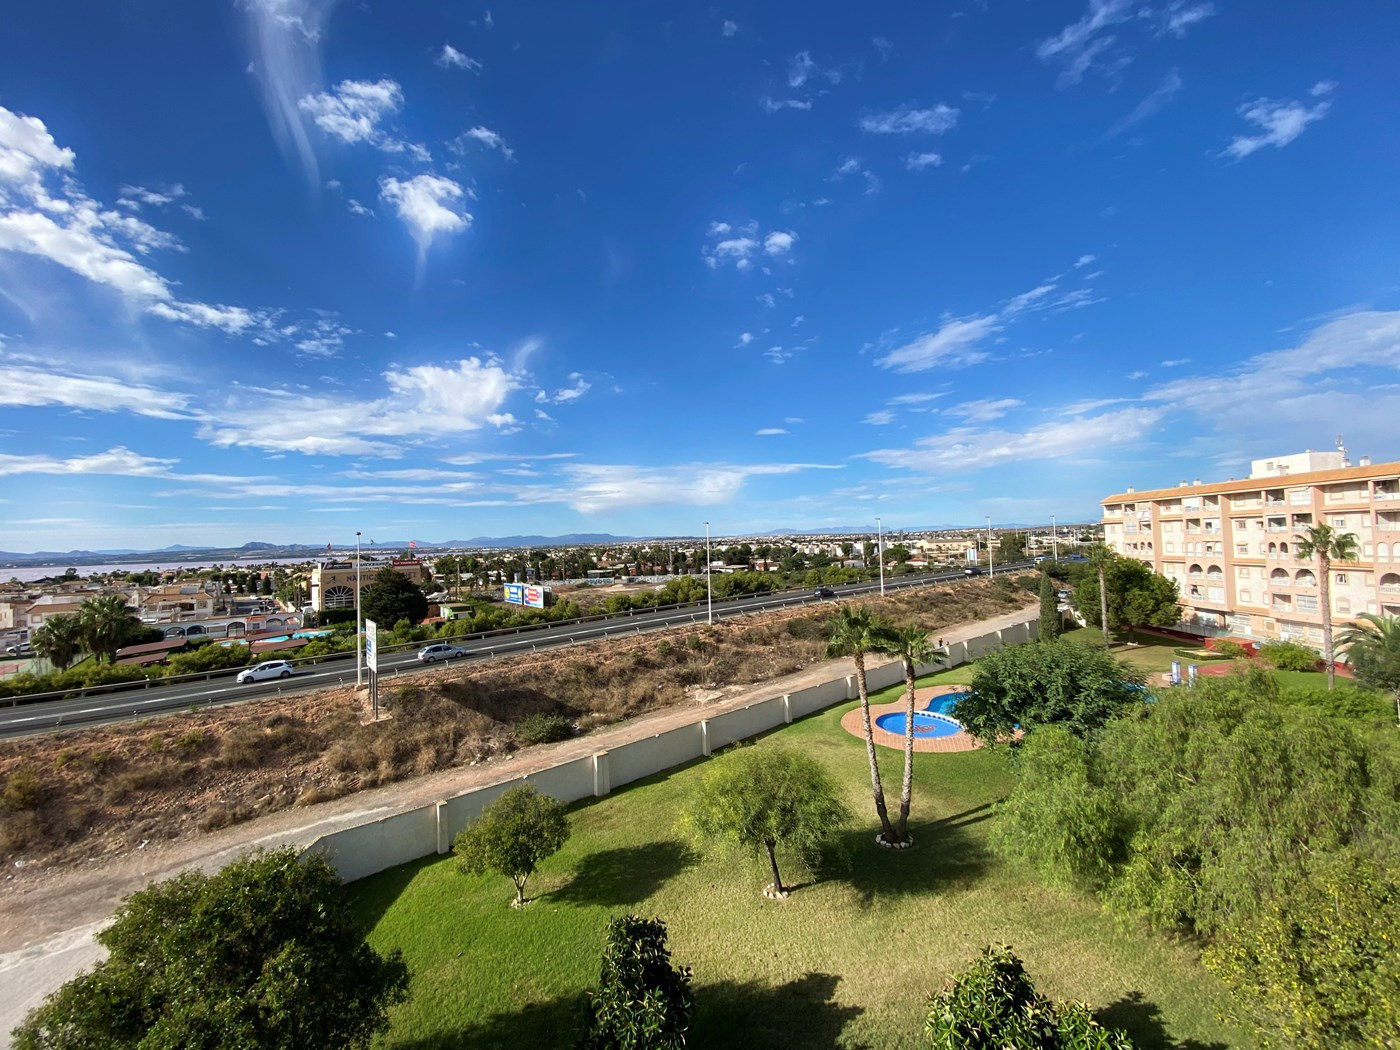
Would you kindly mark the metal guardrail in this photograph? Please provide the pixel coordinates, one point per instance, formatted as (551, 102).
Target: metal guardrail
(789, 596)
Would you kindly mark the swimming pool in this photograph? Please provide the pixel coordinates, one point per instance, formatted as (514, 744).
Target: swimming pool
(926, 724)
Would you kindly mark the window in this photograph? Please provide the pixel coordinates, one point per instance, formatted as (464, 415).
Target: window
(1340, 523)
(1242, 571)
(1169, 547)
(1344, 606)
(1341, 577)
(1244, 596)
(1307, 603)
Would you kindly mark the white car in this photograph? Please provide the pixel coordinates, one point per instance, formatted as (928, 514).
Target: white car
(439, 652)
(270, 669)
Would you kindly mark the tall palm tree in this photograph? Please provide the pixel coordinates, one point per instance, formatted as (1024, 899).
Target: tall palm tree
(106, 623)
(1326, 545)
(855, 632)
(1373, 650)
(1100, 557)
(913, 647)
(59, 639)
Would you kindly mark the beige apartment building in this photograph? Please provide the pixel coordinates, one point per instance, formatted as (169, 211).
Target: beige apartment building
(333, 582)
(1231, 546)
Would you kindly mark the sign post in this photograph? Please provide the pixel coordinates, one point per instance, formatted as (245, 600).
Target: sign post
(372, 662)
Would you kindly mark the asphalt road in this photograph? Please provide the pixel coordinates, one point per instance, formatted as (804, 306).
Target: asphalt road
(97, 708)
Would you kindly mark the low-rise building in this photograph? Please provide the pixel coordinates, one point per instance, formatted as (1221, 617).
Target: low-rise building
(1231, 546)
(333, 582)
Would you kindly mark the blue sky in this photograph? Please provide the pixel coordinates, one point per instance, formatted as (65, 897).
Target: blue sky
(283, 269)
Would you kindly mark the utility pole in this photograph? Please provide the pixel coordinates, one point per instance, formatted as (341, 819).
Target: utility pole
(359, 633)
(709, 590)
(880, 553)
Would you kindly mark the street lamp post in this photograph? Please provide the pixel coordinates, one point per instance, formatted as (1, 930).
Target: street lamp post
(991, 561)
(709, 591)
(359, 630)
(880, 553)
(1054, 540)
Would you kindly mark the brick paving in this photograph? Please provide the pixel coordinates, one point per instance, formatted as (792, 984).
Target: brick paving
(960, 741)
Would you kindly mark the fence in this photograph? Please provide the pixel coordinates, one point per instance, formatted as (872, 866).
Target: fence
(366, 849)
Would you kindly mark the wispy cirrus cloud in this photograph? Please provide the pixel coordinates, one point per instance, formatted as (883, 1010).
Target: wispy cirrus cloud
(601, 487)
(1279, 122)
(450, 58)
(485, 137)
(911, 120)
(957, 343)
(1162, 95)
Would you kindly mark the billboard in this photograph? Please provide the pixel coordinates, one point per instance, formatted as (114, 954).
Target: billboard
(525, 594)
(372, 646)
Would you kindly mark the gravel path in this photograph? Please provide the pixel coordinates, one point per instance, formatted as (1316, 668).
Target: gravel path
(48, 918)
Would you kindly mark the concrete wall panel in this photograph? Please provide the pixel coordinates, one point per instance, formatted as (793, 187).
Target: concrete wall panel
(645, 757)
(746, 722)
(381, 844)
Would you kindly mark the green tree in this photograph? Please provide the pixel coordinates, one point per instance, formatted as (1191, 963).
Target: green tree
(1317, 967)
(1373, 651)
(1100, 557)
(59, 639)
(913, 647)
(107, 624)
(1288, 656)
(856, 631)
(642, 1001)
(992, 1005)
(1135, 595)
(1047, 683)
(1050, 625)
(392, 597)
(763, 798)
(1326, 545)
(512, 835)
(261, 955)
(1011, 547)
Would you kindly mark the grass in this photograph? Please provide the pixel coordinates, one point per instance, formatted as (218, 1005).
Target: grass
(847, 961)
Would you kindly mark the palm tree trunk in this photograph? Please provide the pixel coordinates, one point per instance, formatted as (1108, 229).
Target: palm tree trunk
(1324, 596)
(773, 863)
(906, 790)
(877, 789)
(1103, 603)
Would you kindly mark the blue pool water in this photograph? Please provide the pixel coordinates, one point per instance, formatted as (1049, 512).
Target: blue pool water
(926, 724)
(944, 704)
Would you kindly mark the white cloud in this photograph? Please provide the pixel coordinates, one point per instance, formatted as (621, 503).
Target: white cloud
(1178, 16)
(774, 105)
(35, 387)
(779, 355)
(1163, 94)
(593, 488)
(1322, 87)
(487, 137)
(729, 28)
(1027, 300)
(920, 161)
(968, 448)
(119, 461)
(1280, 122)
(769, 432)
(450, 58)
(745, 338)
(286, 62)
(883, 46)
(879, 419)
(954, 345)
(984, 410)
(915, 398)
(1079, 44)
(848, 166)
(1176, 362)
(906, 120)
(1083, 261)
(563, 396)
(356, 208)
(134, 197)
(800, 68)
(779, 242)
(421, 400)
(354, 111)
(428, 206)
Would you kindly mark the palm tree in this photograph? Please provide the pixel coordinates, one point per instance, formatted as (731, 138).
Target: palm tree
(1326, 545)
(59, 639)
(1100, 556)
(1373, 650)
(855, 632)
(913, 647)
(106, 623)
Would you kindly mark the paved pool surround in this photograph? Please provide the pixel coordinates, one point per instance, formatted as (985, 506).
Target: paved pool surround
(960, 741)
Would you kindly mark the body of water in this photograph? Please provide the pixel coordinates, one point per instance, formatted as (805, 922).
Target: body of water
(27, 573)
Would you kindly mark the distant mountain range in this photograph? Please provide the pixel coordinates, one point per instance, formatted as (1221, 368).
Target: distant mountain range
(188, 552)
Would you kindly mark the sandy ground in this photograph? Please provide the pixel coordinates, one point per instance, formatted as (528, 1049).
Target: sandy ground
(47, 924)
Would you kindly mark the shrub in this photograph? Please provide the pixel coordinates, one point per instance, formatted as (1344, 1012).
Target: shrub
(1230, 650)
(992, 1004)
(23, 790)
(1289, 656)
(191, 741)
(642, 1001)
(542, 729)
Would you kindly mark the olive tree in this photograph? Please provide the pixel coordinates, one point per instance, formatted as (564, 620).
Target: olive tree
(260, 955)
(511, 837)
(763, 798)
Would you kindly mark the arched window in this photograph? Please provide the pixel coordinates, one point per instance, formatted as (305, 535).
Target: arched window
(1391, 581)
(1194, 570)
(1382, 552)
(1305, 578)
(340, 598)
(1215, 572)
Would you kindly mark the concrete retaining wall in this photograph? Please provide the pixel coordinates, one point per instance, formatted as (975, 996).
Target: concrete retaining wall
(373, 847)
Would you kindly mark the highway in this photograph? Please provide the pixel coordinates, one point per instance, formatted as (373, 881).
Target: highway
(105, 705)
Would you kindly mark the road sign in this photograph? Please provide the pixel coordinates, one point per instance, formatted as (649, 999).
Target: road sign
(371, 646)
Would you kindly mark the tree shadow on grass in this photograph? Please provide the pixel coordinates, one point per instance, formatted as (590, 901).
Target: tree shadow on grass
(369, 898)
(624, 876)
(548, 1024)
(944, 857)
(798, 1014)
(1142, 1020)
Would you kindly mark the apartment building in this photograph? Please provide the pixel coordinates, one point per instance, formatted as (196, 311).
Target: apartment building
(333, 582)
(1231, 546)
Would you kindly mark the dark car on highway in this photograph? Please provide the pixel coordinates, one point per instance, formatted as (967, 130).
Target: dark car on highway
(823, 592)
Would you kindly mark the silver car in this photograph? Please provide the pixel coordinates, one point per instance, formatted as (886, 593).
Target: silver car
(260, 672)
(439, 652)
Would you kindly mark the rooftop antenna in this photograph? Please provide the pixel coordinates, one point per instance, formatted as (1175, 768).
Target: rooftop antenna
(1342, 448)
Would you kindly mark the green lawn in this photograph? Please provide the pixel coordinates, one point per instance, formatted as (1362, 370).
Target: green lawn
(847, 961)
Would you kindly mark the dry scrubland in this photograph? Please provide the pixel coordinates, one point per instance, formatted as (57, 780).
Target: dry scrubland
(85, 794)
